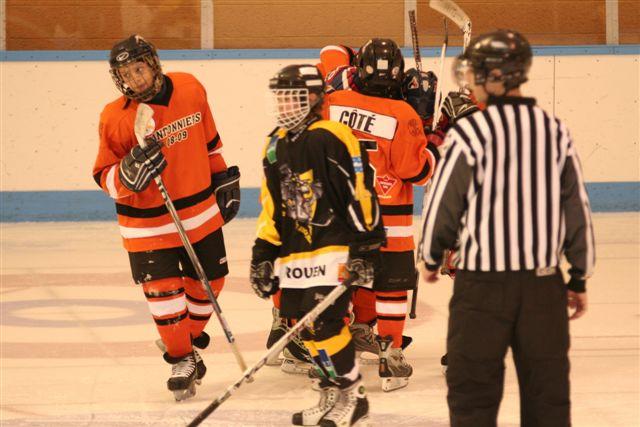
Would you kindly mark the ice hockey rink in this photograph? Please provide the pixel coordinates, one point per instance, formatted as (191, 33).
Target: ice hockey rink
(78, 343)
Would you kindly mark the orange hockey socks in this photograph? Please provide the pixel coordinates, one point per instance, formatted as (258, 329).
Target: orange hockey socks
(198, 303)
(391, 308)
(168, 306)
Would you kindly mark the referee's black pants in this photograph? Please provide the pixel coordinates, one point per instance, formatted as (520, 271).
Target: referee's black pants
(490, 312)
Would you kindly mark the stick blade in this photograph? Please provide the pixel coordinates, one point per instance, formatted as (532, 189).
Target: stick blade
(452, 11)
(143, 125)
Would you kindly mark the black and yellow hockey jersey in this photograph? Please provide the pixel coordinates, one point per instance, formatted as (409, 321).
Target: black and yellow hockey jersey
(317, 198)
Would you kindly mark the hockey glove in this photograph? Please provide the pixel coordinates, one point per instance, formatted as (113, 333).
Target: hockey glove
(141, 165)
(263, 282)
(454, 107)
(226, 186)
(365, 260)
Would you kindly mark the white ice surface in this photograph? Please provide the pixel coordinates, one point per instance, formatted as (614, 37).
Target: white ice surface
(77, 341)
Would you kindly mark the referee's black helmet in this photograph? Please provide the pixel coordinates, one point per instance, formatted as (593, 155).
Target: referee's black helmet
(504, 50)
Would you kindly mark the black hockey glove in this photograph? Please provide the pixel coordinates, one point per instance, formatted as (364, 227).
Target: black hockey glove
(226, 186)
(263, 282)
(364, 259)
(454, 107)
(419, 90)
(141, 165)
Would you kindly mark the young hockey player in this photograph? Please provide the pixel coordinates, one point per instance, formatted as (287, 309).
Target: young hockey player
(400, 157)
(320, 218)
(184, 148)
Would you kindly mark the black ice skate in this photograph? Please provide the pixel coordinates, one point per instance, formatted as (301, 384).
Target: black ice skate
(394, 369)
(201, 342)
(278, 329)
(297, 359)
(364, 340)
(444, 363)
(184, 376)
(351, 409)
(312, 416)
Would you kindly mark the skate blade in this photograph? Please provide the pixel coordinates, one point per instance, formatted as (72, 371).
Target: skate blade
(394, 383)
(315, 384)
(291, 367)
(181, 395)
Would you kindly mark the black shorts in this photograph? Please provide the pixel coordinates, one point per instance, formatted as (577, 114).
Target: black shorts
(295, 303)
(174, 262)
(398, 272)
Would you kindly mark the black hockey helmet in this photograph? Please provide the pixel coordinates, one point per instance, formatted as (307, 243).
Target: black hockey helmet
(135, 49)
(291, 87)
(380, 68)
(504, 50)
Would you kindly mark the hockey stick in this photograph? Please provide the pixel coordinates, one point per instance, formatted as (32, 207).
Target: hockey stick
(416, 56)
(450, 10)
(436, 113)
(414, 40)
(276, 348)
(142, 127)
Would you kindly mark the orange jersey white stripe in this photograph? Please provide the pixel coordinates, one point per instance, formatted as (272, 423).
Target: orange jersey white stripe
(191, 144)
(397, 147)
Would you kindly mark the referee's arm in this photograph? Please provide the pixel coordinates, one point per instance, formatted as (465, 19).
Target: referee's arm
(579, 246)
(447, 201)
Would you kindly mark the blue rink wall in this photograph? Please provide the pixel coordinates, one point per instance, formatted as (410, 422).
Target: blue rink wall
(23, 206)
(48, 133)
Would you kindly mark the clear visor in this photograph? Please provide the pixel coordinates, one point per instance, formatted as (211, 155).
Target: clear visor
(462, 72)
(289, 106)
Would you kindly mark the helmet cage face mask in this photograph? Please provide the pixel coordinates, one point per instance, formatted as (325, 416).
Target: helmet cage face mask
(291, 106)
(131, 50)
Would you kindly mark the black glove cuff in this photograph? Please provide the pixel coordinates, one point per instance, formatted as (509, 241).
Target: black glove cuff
(264, 251)
(367, 243)
(577, 285)
(432, 267)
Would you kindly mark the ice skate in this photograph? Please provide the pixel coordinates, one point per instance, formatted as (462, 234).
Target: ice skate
(296, 358)
(202, 368)
(278, 329)
(294, 364)
(394, 369)
(364, 340)
(444, 363)
(312, 416)
(351, 409)
(184, 376)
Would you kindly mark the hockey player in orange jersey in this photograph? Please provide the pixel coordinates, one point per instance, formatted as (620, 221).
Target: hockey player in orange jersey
(392, 133)
(185, 149)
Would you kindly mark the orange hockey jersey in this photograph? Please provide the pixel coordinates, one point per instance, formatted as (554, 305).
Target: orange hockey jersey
(392, 132)
(192, 147)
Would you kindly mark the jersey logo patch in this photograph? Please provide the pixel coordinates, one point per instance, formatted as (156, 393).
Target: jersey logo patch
(365, 121)
(386, 183)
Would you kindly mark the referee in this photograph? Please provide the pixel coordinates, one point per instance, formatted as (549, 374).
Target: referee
(509, 195)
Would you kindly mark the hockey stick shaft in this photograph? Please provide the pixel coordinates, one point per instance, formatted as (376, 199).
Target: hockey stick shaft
(143, 116)
(437, 112)
(276, 348)
(414, 39)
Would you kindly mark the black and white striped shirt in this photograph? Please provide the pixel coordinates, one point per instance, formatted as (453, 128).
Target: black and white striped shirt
(510, 193)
